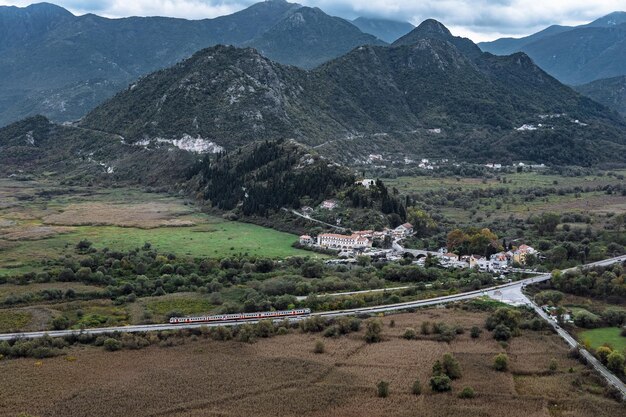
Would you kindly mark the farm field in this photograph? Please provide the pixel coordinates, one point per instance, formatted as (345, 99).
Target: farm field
(520, 199)
(514, 181)
(605, 335)
(282, 376)
(38, 221)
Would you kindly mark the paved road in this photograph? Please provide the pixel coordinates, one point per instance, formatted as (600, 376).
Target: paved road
(309, 218)
(493, 291)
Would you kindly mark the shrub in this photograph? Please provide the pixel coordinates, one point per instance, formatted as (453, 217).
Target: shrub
(319, 347)
(615, 362)
(603, 353)
(60, 323)
(440, 383)
(331, 331)
(383, 389)
(501, 362)
(416, 389)
(451, 366)
(501, 333)
(475, 332)
(425, 328)
(111, 344)
(373, 333)
(467, 392)
(392, 323)
(553, 365)
(409, 334)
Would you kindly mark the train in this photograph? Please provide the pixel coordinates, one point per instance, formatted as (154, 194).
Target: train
(263, 315)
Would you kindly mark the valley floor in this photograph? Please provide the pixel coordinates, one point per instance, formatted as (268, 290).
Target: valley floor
(282, 376)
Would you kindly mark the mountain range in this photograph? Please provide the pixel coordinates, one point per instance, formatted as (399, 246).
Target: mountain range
(60, 65)
(428, 94)
(610, 91)
(574, 55)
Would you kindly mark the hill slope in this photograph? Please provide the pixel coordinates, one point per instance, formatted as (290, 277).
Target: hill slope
(90, 58)
(611, 92)
(371, 100)
(574, 55)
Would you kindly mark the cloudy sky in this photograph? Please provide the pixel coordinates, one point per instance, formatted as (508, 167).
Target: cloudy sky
(477, 19)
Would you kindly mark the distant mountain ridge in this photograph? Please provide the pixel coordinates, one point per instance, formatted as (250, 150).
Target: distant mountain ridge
(574, 55)
(610, 91)
(89, 58)
(384, 29)
(373, 98)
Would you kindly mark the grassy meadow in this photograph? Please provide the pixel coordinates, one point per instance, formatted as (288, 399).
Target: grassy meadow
(40, 221)
(606, 335)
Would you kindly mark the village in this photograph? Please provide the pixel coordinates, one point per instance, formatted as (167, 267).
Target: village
(369, 243)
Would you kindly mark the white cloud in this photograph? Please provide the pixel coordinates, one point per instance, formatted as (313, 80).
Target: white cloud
(477, 19)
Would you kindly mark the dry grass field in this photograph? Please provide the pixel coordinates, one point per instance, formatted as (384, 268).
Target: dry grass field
(282, 376)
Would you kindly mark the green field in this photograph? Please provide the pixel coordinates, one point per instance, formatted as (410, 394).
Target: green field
(514, 181)
(40, 221)
(13, 320)
(605, 335)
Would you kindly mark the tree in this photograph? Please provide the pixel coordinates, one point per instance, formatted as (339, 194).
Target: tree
(373, 333)
(501, 362)
(440, 383)
(455, 239)
(416, 389)
(451, 366)
(437, 368)
(60, 323)
(501, 333)
(383, 389)
(603, 353)
(422, 223)
(475, 332)
(615, 362)
(547, 223)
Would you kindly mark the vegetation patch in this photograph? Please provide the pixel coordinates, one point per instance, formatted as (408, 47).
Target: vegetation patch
(611, 336)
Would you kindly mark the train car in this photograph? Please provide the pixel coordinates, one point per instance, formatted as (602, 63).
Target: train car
(263, 315)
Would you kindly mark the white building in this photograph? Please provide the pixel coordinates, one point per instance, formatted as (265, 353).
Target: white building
(306, 240)
(335, 241)
(367, 183)
(403, 230)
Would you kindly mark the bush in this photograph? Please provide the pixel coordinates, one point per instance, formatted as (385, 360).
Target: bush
(440, 383)
(586, 320)
(602, 353)
(615, 362)
(416, 389)
(373, 333)
(451, 366)
(553, 365)
(501, 333)
(319, 347)
(111, 344)
(383, 389)
(475, 332)
(467, 392)
(60, 323)
(425, 328)
(409, 334)
(501, 362)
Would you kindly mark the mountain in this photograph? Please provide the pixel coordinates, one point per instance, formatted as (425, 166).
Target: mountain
(432, 29)
(610, 20)
(60, 65)
(426, 98)
(309, 37)
(383, 29)
(575, 55)
(36, 146)
(611, 92)
(507, 46)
